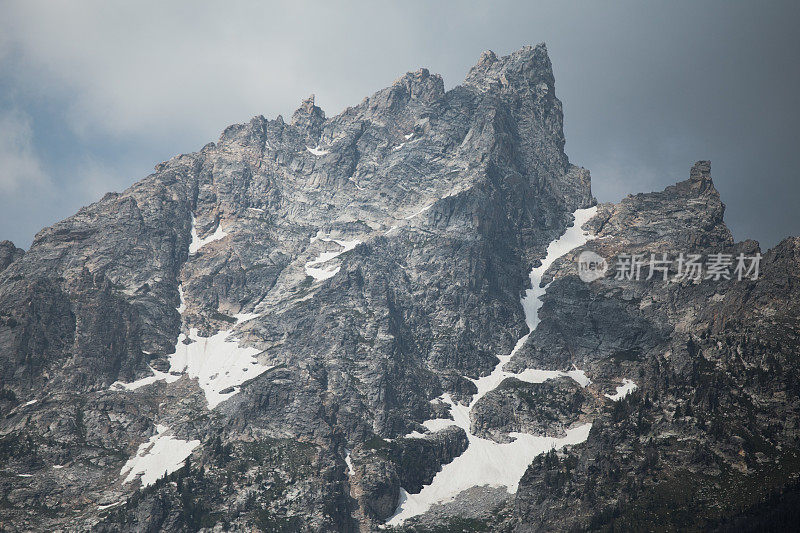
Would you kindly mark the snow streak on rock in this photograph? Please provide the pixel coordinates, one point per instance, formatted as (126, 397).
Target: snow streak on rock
(486, 462)
(412, 215)
(317, 151)
(321, 274)
(198, 243)
(182, 307)
(161, 454)
(244, 317)
(623, 390)
(110, 505)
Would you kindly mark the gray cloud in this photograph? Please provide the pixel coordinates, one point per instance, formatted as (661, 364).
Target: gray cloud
(647, 89)
(19, 165)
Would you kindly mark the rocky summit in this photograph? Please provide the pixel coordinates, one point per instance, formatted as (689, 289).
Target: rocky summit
(375, 321)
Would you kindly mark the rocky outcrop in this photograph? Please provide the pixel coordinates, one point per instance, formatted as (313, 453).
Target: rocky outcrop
(382, 467)
(419, 459)
(547, 408)
(713, 419)
(9, 253)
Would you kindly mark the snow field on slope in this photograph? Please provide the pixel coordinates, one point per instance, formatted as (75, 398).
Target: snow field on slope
(317, 151)
(159, 455)
(218, 363)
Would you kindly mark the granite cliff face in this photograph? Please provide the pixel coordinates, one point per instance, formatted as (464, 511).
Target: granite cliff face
(291, 323)
(711, 432)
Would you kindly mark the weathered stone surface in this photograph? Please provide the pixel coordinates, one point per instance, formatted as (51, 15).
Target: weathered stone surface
(9, 253)
(547, 408)
(714, 420)
(383, 467)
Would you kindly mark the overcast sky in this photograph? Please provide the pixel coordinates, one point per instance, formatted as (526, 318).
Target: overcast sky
(93, 96)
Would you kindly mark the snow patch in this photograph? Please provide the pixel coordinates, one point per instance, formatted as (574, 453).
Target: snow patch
(349, 463)
(110, 505)
(579, 376)
(182, 307)
(320, 273)
(161, 454)
(198, 243)
(409, 217)
(218, 363)
(149, 380)
(623, 390)
(486, 462)
(244, 317)
(26, 404)
(317, 150)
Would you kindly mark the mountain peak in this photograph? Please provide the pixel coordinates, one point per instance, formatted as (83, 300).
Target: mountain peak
(524, 69)
(419, 84)
(309, 117)
(312, 300)
(701, 171)
(487, 58)
(9, 253)
(307, 107)
(700, 179)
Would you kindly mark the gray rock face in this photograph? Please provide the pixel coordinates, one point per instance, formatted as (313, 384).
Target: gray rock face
(547, 408)
(297, 290)
(9, 253)
(382, 467)
(714, 419)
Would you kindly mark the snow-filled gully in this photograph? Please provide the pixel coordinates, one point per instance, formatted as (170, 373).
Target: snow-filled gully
(198, 242)
(486, 462)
